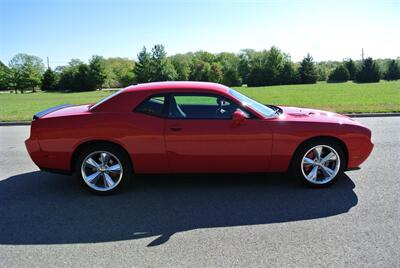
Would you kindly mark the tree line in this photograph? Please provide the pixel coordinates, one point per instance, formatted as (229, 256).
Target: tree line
(250, 67)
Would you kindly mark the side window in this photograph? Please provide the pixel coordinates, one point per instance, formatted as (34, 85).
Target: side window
(153, 106)
(201, 107)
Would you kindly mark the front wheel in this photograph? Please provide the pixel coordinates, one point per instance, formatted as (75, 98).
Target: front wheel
(319, 163)
(103, 168)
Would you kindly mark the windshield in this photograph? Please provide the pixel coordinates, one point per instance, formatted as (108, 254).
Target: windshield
(246, 101)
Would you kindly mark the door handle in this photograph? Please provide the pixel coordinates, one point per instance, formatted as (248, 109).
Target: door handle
(176, 128)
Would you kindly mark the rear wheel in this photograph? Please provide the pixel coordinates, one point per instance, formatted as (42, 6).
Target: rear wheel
(103, 168)
(319, 163)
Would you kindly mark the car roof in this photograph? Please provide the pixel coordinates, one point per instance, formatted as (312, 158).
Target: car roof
(167, 86)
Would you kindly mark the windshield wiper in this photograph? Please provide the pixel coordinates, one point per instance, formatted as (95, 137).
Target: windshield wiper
(277, 110)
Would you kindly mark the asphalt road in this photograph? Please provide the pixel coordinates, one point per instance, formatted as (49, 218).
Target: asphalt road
(203, 221)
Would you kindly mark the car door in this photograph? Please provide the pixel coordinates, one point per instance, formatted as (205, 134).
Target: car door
(146, 141)
(200, 136)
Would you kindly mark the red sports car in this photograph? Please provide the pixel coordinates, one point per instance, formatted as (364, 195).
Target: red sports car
(193, 127)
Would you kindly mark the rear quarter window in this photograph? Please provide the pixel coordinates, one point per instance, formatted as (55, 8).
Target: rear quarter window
(153, 106)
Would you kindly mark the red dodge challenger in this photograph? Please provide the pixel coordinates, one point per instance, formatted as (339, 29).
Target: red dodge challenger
(193, 127)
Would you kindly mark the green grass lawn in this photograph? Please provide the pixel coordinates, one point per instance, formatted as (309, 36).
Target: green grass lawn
(337, 97)
(340, 97)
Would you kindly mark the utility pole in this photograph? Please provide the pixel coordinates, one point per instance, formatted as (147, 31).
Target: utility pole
(48, 65)
(362, 54)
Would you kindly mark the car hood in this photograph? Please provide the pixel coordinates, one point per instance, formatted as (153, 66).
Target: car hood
(314, 115)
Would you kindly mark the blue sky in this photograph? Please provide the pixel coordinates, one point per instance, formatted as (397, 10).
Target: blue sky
(329, 30)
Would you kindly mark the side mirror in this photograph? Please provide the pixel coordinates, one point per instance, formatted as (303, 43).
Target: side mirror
(238, 118)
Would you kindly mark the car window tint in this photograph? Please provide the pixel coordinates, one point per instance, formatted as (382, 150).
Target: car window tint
(196, 100)
(201, 107)
(153, 106)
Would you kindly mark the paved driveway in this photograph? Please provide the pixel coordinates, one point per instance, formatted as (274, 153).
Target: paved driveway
(203, 221)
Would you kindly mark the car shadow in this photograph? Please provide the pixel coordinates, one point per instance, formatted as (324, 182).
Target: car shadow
(43, 208)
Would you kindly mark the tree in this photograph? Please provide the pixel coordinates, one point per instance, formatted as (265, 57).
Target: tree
(307, 72)
(393, 71)
(49, 82)
(97, 73)
(230, 69)
(272, 67)
(143, 68)
(4, 77)
(68, 75)
(369, 72)
(161, 67)
(215, 74)
(267, 67)
(351, 68)
(77, 76)
(256, 63)
(339, 74)
(322, 71)
(26, 72)
(182, 63)
(200, 70)
(205, 56)
(120, 72)
(244, 67)
(288, 74)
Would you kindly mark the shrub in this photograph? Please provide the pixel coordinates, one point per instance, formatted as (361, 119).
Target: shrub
(351, 67)
(368, 73)
(339, 74)
(393, 71)
(49, 82)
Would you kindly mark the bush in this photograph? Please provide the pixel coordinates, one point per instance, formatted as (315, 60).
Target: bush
(369, 72)
(289, 74)
(351, 67)
(77, 76)
(393, 71)
(339, 74)
(49, 82)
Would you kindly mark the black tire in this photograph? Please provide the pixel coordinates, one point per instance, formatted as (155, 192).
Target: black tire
(114, 152)
(296, 167)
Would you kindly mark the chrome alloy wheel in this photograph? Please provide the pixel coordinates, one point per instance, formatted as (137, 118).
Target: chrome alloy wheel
(101, 171)
(320, 164)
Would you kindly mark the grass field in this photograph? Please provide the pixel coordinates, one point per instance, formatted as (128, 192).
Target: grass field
(341, 97)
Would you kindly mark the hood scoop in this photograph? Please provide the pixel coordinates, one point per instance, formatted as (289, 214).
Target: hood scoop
(298, 113)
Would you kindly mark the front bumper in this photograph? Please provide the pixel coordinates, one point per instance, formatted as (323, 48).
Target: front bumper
(357, 157)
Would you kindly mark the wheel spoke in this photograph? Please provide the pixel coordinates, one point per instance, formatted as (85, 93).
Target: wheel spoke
(114, 169)
(313, 174)
(330, 156)
(92, 163)
(317, 152)
(327, 171)
(104, 157)
(308, 161)
(93, 178)
(107, 180)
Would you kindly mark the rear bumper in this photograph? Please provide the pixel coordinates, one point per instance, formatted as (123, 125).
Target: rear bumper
(44, 160)
(34, 151)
